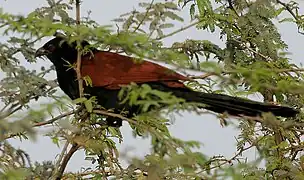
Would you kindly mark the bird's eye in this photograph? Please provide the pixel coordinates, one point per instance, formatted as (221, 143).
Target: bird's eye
(51, 47)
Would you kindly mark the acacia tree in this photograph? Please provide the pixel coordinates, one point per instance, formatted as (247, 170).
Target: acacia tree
(253, 60)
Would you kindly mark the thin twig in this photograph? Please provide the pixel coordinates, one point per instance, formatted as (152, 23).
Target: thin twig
(51, 121)
(255, 52)
(231, 159)
(292, 14)
(78, 68)
(206, 75)
(143, 19)
(179, 30)
(11, 111)
(104, 112)
(232, 8)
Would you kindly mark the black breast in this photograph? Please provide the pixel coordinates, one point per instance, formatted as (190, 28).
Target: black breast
(67, 80)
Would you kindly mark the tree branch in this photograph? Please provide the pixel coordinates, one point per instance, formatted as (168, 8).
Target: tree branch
(57, 165)
(65, 160)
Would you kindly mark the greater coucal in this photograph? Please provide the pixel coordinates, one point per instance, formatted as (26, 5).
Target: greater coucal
(108, 71)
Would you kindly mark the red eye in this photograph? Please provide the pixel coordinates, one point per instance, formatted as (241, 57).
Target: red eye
(51, 47)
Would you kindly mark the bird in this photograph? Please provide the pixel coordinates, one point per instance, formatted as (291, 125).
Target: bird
(110, 71)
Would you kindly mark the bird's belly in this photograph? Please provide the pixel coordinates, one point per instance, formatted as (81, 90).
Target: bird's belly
(106, 98)
(71, 89)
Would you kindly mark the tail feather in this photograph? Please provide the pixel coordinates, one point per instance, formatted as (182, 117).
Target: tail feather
(237, 106)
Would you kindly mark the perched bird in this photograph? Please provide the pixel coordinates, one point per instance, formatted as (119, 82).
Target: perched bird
(108, 71)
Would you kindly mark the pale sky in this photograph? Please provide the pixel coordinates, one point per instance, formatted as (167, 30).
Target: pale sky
(205, 128)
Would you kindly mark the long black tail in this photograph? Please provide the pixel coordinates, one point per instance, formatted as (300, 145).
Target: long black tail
(236, 106)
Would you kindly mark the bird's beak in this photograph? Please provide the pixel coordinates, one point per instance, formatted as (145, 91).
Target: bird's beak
(40, 52)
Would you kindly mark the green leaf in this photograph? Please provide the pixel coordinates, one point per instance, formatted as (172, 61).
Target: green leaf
(79, 100)
(166, 25)
(286, 20)
(173, 16)
(55, 140)
(88, 104)
(192, 11)
(204, 6)
(15, 174)
(88, 81)
(170, 5)
(113, 131)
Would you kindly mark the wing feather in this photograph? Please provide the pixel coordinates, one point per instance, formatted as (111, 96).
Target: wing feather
(111, 70)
